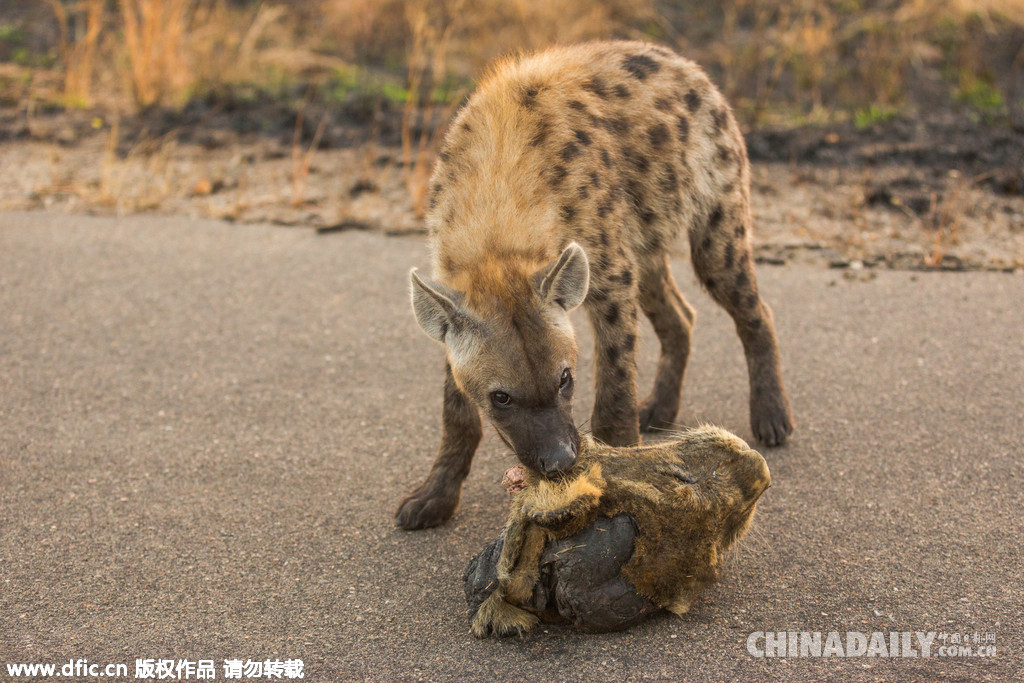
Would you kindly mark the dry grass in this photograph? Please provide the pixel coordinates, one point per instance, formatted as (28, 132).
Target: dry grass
(823, 56)
(154, 38)
(773, 57)
(302, 158)
(427, 69)
(777, 61)
(79, 31)
(945, 218)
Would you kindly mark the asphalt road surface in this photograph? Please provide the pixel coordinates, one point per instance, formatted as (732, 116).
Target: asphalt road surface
(205, 430)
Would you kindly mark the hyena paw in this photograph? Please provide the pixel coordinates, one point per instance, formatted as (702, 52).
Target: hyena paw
(426, 507)
(657, 415)
(771, 420)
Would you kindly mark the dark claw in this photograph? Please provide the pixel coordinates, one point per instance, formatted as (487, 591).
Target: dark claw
(770, 420)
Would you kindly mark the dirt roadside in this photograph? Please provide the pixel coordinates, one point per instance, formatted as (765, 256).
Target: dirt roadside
(946, 192)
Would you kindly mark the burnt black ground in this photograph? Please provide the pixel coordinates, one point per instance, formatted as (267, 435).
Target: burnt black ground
(206, 429)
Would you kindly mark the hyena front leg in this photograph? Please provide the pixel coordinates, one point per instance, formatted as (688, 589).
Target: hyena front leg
(613, 314)
(434, 501)
(720, 248)
(672, 318)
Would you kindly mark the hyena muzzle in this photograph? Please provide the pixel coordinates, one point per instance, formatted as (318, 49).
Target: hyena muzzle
(563, 182)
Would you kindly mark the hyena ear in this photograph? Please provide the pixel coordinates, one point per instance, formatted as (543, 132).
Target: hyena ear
(565, 281)
(436, 307)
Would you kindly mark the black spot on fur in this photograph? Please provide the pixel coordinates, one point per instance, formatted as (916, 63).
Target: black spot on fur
(604, 238)
(640, 66)
(753, 300)
(740, 230)
(705, 244)
(570, 151)
(718, 120)
(636, 159)
(737, 297)
(630, 342)
(693, 101)
(658, 135)
(626, 278)
(724, 154)
(728, 188)
(742, 280)
(653, 240)
(603, 209)
(444, 156)
(715, 219)
(595, 179)
(541, 135)
(466, 127)
(435, 192)
(648, 216)
(663, 104)
(611, 352)
(606, 158)
(577, 105)
(618, 125)
(611, 314)
(730, 255)
(669, 180)
(635, 193)
(558, 174)
(621, 91)
(529, 97)
(709, 283)
(583, 136)
(597, 86)
(567, 212)
(583, 191)
(683, 128)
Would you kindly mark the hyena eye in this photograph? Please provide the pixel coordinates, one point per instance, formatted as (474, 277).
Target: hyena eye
(566, 379)
(500, 399)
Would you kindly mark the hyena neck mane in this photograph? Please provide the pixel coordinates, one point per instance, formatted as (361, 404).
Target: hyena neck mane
(497, 283)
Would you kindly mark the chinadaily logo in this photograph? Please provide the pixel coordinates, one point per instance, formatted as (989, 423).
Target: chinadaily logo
(873, 644)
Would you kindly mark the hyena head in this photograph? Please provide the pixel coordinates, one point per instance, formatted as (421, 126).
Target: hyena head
(512, 349)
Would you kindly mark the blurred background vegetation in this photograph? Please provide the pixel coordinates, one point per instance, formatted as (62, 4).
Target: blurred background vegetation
(779, 62)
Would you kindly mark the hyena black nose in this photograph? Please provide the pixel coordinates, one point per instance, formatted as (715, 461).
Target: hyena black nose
(557, 459)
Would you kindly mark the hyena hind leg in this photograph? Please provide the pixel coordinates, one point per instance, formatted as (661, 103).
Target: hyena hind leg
(722, 260)
(434, 501)
(672, 318)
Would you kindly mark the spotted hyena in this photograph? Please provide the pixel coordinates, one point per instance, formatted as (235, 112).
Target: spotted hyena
(563, 182)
